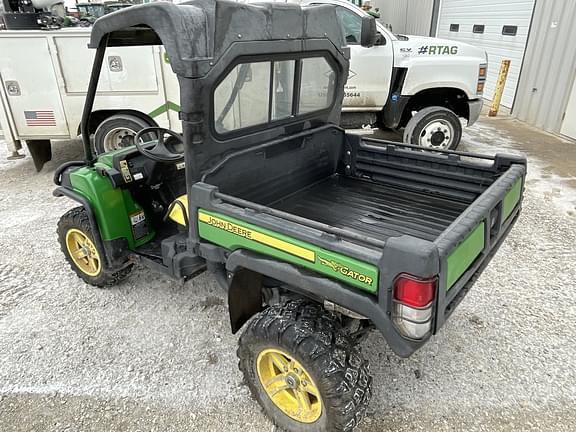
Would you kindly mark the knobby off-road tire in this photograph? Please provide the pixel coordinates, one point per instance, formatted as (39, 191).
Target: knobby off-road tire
(86, 259)
(310, 339)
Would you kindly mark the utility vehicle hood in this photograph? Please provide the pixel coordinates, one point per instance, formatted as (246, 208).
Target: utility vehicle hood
(408, 49)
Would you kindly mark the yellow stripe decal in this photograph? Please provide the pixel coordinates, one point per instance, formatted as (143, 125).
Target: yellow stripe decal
(259, 237)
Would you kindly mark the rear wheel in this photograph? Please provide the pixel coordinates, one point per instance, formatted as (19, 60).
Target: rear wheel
(86, 259)
(303, 369)
(117, 131)
(434, 128)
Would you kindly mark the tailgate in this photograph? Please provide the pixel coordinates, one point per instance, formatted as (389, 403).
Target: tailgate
(470, 242)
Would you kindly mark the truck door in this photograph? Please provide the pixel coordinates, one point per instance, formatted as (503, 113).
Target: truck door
(29, 80)
(368, 82)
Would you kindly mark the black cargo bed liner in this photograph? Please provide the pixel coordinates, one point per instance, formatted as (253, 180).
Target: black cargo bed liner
(375, 210)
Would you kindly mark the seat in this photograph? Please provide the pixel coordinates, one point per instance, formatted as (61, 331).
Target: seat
(178, 210)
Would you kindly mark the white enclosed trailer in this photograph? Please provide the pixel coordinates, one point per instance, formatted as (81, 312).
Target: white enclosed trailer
(44, 78)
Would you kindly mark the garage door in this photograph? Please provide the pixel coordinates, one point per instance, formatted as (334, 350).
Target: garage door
(501, 28)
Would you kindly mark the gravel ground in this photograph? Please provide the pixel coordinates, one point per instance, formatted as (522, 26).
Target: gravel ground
(157, 355)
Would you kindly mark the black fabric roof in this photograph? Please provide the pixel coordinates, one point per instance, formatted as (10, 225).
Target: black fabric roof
(201, 30)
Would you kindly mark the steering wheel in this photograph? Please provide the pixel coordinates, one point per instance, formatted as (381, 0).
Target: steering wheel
(165, 149)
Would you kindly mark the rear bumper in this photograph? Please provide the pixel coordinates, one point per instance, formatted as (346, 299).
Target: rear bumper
(474, 108)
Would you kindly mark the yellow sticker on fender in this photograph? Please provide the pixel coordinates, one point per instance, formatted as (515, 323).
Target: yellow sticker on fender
(257, 236)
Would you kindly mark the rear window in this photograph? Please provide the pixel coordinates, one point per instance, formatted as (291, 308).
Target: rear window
(259, 93)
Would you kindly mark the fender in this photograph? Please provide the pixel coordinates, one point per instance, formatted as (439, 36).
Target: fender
(74, 196)
(115, 251)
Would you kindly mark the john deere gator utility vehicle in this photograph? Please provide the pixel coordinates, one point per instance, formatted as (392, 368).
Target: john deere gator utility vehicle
(318, 236)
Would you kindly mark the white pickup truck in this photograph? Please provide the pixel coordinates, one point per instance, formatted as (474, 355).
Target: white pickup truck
(424, 85)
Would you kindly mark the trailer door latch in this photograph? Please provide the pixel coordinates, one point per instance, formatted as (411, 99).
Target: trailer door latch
(13, 88)
(115, 64)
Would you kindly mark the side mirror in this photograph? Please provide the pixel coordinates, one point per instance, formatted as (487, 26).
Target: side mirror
(368, 34)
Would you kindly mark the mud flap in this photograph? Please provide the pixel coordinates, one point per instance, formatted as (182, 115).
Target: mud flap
(244, 297)
(41, 152)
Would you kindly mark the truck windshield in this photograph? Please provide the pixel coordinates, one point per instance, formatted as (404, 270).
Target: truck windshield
(258, 93)
(93, 10)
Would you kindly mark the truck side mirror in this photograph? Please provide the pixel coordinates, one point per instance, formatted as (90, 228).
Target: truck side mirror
(368, 33)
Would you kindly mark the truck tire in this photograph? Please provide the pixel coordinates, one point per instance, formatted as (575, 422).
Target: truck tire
(118, 131)
(86, 259)
(434, 127)
(303, 369)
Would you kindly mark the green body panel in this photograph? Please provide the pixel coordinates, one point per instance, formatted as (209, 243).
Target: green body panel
(511, 199)
(112, 207)
(464, 255)
(106, 159)
(247, 236)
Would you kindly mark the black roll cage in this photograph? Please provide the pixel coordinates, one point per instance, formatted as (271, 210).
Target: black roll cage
(89, 156)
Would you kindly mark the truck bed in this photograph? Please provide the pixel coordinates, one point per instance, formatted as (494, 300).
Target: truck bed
(376, 210)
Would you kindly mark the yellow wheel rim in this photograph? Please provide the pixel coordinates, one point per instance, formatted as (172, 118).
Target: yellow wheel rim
(83, 252)
(289, 385)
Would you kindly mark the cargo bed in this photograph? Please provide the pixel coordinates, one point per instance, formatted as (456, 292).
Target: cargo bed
(370, 191)
(375, 210)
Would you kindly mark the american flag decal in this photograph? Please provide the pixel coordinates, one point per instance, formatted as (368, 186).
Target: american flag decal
(40, 118)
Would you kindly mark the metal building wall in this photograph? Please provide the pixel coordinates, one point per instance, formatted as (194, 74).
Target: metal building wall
(411, 17)
(493, 15)
(549, 67)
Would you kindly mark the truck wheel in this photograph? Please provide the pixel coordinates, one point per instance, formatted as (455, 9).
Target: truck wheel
(434, 128)
(303, 369)
(117, 131)
(77, 243)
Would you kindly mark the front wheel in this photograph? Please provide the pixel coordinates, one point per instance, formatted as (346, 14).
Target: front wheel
(303, 369)
(435, 128)
(85, 258)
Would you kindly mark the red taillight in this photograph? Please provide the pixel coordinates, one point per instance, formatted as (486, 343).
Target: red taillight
(414, 292)
(413, 305)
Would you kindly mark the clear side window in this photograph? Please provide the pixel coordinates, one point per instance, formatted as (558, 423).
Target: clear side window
(242, 98)
(262, 92)
(317, 90)
(351, 24)
(283, 89)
